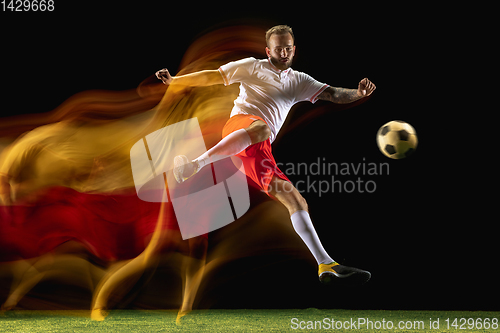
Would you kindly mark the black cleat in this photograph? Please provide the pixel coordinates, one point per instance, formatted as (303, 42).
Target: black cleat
(329, 272)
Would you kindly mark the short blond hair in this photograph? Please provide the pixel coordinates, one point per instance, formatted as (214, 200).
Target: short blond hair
(279, 30)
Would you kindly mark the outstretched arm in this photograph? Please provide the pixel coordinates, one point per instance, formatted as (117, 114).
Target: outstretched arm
(344, 96)
(197, 79)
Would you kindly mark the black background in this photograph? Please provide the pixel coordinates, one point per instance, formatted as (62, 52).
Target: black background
(422, 234)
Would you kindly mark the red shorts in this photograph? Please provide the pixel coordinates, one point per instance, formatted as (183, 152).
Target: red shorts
(257, 159)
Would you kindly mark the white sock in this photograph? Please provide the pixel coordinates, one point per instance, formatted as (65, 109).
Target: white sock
(303, 226)
(231, 145)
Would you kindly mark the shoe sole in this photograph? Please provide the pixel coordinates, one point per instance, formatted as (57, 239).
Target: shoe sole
(353, 277)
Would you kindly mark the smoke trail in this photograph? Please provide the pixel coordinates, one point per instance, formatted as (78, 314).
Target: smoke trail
(66, 176)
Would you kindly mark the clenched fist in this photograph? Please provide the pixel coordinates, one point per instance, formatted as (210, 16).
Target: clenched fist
(164, 76)
(365, 88)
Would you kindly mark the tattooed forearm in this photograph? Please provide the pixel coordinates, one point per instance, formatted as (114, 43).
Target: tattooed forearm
(340, 95)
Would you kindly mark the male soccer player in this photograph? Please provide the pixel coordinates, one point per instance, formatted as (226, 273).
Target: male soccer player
(268, 89)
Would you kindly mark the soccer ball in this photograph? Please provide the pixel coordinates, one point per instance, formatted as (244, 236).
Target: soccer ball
(397, 139)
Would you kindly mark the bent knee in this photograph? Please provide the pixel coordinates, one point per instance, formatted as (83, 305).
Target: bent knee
(258, 131)
(302, 203)
(291, 198)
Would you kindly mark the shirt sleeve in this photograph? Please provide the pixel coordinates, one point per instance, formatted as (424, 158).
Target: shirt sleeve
(308, 89)
(237, 71)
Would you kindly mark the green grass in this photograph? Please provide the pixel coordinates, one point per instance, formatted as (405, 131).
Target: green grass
(234, 320)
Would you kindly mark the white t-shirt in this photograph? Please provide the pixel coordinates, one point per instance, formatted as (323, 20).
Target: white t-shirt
(268, 92)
